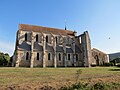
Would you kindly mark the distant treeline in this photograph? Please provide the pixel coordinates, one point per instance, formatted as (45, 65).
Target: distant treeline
(5, 59)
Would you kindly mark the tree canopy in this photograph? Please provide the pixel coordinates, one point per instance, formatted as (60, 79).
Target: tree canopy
(4, 59)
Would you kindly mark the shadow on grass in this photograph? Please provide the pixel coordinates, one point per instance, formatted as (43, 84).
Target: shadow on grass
(114, 69)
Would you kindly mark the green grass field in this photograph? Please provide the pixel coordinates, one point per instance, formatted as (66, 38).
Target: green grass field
(22, 75)
(14, 76)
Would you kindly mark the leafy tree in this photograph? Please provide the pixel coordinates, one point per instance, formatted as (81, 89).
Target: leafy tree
(116, 60)
(4, 59)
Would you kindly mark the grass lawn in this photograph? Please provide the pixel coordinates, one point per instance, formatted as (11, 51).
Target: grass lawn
(16, 76)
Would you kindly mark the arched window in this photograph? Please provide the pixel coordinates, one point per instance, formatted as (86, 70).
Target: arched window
(27, 56)
(49, 56)
(76, 57)
(37, 38)
(41, 38)
(47, 39)
(59, 57)
(25, 36)
(61, 40)
(80, 40)
(37, 56)
(56, 39)
(68, 56)
(97, 60)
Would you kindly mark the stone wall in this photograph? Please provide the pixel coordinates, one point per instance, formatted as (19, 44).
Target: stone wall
(74, 50)
(32, 47)
(99, 57)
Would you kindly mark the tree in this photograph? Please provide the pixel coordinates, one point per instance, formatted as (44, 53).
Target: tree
(116, 60)
(4, 59)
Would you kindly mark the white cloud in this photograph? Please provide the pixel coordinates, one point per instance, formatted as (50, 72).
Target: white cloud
(7, 47)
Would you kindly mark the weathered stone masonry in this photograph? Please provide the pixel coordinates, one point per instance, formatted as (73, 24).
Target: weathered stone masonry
(38, 46)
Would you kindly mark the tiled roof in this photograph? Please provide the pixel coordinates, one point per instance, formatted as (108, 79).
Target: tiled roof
(25, 46)
(49, 48)
(59, 48)
(33, 28)
(69, 50)
(38, 47)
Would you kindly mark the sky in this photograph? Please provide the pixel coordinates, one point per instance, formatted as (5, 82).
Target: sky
(101, 18)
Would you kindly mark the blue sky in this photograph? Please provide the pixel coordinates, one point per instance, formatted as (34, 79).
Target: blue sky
(101, 18)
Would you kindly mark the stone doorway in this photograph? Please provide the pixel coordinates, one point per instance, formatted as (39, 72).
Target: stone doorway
(97, 60)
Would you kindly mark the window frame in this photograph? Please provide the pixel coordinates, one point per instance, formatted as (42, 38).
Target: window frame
(56, 39)
(77, 58)
(26, 37)
(68, 56)
(38, 56)
(49, 56)
(27, 55)
(80, 39)
(37, 38)
(59, 56)
(47, 38)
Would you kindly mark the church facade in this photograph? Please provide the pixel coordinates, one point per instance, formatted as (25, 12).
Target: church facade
(38, 46)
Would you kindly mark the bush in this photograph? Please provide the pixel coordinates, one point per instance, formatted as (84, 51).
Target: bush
(4, 59)
(78, 72)
(100, 86)
(112, 64)
(93, 65)
(107, 64)
(96, 86)
(118, 64)
(76, 86)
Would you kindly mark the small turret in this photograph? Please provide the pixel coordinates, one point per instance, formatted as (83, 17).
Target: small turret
(75, 33)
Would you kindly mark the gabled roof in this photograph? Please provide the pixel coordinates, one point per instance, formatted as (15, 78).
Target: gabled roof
(26, 27)
(94, 49)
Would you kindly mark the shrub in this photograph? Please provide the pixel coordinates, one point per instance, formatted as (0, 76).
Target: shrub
(118, 64)
(107, 64)
(111, 64)
(4, 59)
(96, 86)
(78, 72)
(76, 86)
(93, 65)
(100, 86)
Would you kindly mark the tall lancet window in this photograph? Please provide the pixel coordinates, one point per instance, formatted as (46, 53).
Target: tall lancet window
(26, 37)
(37, 56)
(37, 38)
(27, 56)
(49, 56)
(56, 39)
(68, 56)
(47, 39)
(59, 57)
(76, 57)
(80, 40)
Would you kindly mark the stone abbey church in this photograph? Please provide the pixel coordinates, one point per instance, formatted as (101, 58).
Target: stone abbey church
(38, 46)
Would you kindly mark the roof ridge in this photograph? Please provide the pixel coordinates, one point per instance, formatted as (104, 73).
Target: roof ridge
(43, 27)
(99, 50)
(27, 27)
